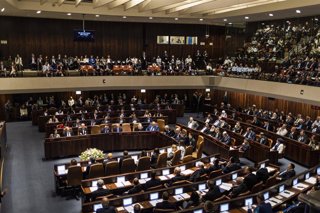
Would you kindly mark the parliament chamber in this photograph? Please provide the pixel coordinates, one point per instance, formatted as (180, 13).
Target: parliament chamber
(130, 106)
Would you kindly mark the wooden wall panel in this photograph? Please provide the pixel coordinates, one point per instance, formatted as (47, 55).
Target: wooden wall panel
(119, 39)
(238, 99)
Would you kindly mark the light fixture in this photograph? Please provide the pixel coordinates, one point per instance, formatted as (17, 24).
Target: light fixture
(316, 19)
(143, 90)
(247, 17)
(230, 23)
(298, 11)
(97, 15)
(208, 90)
(78, 92)
(150, 17)
(225, 19)
(176, 19)
(207, 35)
(68, 14)
(201, 19)
(270, 14)
(2, 10)
(124, 16)
(39, 11)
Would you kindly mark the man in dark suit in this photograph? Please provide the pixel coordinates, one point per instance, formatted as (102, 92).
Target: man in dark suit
(250, 134)
(248, 182)
(231, 166)
(67, 131)
(136, 187)
(267, 126)
(262, 207)
(167, 131)
(100, 191)
(125, 156)
(109, 158)
(83, 129)
(153, 127)
(165, 204)
(154, 157)
(105, 129)
(226, 139)
(213, 193)
(216, 166)
(117, 128)
(302, 138)
(262, 175)
(198, 173)
(263, 139)
(105, 207)
(92, 161)
(177, 176)
(152, 182)
(288, 173)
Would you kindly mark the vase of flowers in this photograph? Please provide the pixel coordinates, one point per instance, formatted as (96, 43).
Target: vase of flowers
(91, 152)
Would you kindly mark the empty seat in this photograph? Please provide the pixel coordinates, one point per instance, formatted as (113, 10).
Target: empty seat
(112, 168)
(128, 165)
(143, 163)
(95, 129)
(126, 127)
(198, 153)
(175, 159)
(96, 170)
(189, 150)
(161, 124)
(162, 160)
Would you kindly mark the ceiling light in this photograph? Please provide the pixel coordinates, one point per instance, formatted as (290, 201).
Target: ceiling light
(150, 17)
(230, 23)
(2, 10)
(201, 19)
(270, 14)
(225, 19)
(68, 14)
(39, 11)
(247, 17)
(316, 19)
(97, 15)
(176, 19)
(124, 16)
(298, 11)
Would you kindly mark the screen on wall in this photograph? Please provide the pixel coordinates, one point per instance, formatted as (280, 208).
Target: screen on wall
(80, 35)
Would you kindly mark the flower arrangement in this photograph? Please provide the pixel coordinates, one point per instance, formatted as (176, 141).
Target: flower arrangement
(92, 152)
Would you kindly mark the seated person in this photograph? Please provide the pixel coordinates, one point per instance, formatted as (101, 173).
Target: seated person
(139, 128)
(173, 150)
(23, 111)
(83, 130)
(137, 187)
(165, 204)
(192, 124)
(282, 130)
(191, 141)
(244, 146)
(249, 134)
(136, 208)
(167, 131)
(262, 174)
(177, 177)
(288, 173)
(105, 207)
(154, 157)
(153, 127)
(198, 172)
(237, 128)
(293, 133)
(302, 138)
(193, 201)
(105, 129)
(226, 139)
(153, 181)
(217, 135)
(279, 147)
(117, 128)
(213, 192)
(55, 134)
(247, 183)
(208, 119)
(67, 132)
(100, 191)
(231, 166)
(182, 148)
(206, 128)
(109, 158)
(92, 161)
(209, 207)
(216, 166)
(262, 206)
(263, 139)
(125, 156)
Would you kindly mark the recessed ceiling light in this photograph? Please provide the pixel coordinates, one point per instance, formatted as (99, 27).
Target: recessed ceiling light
(298, 11)
(124, 16)
(39, 11)
(2, 10)
(176, 19)
(68, 14)
(201, 19)
(97, 15)
(150, 17)
(247, 17)
(230, 23)
(270, 14)
(225, 19)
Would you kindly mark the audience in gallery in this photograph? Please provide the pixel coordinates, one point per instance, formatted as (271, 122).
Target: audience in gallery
(57, 66)
(106, 208)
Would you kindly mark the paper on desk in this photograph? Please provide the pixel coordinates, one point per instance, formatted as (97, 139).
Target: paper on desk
(270, 169)
(185, 195)
(127, 183)
(120, 209)
(170, 176)
(300, 186)
(187, 172)
(226, 186)
(129, 208)
(118, 185)
(154, 202)
(311, 180)
(93, 188)
(275, 200)
(272, 203)
(286, 193)
(163, 178)
(142, 181)
(178, 197)
(62, 172)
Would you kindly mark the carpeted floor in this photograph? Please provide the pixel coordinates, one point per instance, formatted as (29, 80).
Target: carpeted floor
(30, 180)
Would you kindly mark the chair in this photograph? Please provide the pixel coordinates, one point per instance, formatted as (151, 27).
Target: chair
(198, 153)
(187, 159)
(113, 126)
(128, 165)
(270, 142)
(200, 139)
(189, 150)
(126, 127)
(161, 124)
(96, 170)
(112, 168)
(95, 129)
(257, 187)
(155, 187)
(233, 141)
(143, 163)
(176, 158)
(162, 160)
(163, 210)
(271, 180)
(184, 131)
(215, 173)
(74, 178)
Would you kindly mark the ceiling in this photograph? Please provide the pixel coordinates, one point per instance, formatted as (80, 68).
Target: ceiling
(162, 11)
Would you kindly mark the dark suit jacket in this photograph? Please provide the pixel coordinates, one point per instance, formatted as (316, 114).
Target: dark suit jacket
(99, 192)
(154, 158)
(212, 194)
(166, 205)
(117, 129)
(263, 208)
(169, 133)
(151, 183)
(287, 174)
(109, 209)
(232, 167)
(176, 178)
(262, 175)
(250, 180)
(136, 189)
(213, 168)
